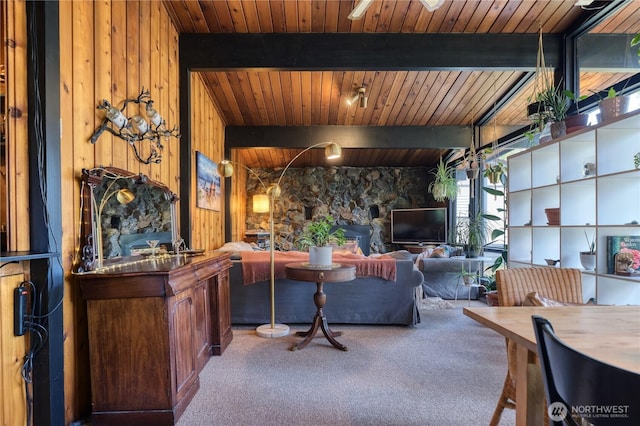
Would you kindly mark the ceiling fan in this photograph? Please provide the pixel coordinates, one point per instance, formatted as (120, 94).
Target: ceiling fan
(363, 5)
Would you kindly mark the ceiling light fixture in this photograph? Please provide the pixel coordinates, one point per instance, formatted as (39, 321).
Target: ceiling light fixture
(432, 5)
(360, 97)
(359, 10)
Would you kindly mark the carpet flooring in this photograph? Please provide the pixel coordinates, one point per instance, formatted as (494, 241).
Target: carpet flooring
(447, 370)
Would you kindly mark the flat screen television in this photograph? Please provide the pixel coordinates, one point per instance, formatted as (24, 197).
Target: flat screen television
(419, 226)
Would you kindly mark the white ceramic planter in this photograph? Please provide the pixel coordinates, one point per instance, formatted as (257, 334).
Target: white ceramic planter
(588, 261)
(320, 256)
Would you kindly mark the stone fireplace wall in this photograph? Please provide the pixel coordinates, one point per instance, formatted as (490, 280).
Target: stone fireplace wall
(352, 195)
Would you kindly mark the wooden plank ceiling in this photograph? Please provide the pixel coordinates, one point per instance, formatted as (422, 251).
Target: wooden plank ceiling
(395, 98)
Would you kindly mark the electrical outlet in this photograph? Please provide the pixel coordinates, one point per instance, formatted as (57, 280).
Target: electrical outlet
(20, 300)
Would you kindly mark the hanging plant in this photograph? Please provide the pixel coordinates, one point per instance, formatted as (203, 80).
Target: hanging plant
(495, 172)
(444, 185)
(538, 109)
(472, 161)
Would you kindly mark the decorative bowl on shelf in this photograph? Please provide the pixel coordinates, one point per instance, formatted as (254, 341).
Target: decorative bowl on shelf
(553, 216)
(552, 262)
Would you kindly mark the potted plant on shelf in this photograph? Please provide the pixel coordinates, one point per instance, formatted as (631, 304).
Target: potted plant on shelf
(558, 102)
(317, 237)
(444, 185)
(612, 105)
(578, 120)
(588, 258)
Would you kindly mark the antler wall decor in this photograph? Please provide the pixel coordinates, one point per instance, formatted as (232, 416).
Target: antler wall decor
(136, 130)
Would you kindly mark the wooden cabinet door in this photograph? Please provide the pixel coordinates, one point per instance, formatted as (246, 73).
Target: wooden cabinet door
(202, 323)
(183, 342)
(222, 333)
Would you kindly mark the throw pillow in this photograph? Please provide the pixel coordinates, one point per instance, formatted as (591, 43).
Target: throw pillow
(534, 299)
(439, 252)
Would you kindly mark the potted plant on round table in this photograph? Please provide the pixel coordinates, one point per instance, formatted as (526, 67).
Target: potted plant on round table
(317, 237)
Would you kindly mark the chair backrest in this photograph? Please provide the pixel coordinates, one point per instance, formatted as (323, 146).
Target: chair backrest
(563, 284)
(601, 393)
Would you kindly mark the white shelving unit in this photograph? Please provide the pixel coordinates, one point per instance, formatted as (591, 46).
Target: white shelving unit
(591, 177)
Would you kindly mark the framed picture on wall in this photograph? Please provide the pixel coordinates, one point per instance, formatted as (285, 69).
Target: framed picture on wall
(208, 192)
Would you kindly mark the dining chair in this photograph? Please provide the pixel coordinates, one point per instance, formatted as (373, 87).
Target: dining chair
(573, 379)
(513, 285)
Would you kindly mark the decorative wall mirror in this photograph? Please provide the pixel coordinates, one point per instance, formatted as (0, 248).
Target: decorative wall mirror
(124, 214)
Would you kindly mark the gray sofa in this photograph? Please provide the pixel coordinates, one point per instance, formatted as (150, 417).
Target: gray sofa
(442, 275)
(365, 300)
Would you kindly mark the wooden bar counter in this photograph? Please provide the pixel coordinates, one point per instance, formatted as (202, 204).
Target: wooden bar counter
(153, 325)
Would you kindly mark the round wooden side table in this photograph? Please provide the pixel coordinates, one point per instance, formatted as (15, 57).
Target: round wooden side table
(306, 272)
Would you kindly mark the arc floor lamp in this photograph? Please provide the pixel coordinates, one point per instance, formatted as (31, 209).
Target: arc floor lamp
(225, 168)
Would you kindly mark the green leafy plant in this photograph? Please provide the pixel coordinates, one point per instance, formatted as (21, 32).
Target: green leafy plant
(591, 244)
(636, 160)
(576, 99)
(471, 232)
(496, 233)
(634, 42)
(444, 185)
(495, 172)
(558, 103)
(468, 277)
(318, 234)
(610, 93)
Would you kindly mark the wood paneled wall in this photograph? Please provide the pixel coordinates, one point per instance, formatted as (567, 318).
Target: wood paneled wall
(111, 50)
(207, 137)
(15, 194)
(108, 50)
(17, 153)
(13, 400)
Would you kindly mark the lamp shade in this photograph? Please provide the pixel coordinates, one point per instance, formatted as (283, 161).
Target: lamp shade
(225, 168)
(333, 150)
(260, 203)
(125, 196)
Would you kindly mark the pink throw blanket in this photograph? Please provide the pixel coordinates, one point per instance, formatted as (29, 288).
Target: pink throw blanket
(256, 265)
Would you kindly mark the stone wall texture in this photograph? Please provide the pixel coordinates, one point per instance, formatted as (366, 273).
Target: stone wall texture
(352, 195)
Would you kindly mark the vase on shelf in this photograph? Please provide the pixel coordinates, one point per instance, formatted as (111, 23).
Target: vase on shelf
(588, 260)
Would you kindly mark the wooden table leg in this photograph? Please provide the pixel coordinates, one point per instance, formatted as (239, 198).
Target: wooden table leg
(319, 321)
(529, 391)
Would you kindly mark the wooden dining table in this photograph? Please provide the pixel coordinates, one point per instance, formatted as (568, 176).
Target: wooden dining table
(610, 334)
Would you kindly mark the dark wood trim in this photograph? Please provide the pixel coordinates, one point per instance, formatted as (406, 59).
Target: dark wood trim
(43, 81)
(186, 158)
(366, 51)
(439, 137)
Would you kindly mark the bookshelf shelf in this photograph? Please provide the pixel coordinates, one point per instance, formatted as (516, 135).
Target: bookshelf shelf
(591, 177)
